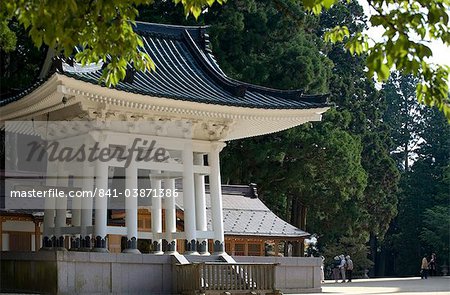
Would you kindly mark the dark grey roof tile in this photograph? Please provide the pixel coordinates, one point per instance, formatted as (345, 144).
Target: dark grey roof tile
(185, 70)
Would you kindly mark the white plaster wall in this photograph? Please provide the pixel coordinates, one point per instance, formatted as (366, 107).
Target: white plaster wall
(25, 226)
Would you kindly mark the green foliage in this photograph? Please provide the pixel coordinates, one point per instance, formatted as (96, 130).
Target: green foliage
(336, 34)
(348, 199)
(435, 230)
(421, 138)
(358, 96)
(7, 38)
(195, 7)
(20, 67)
(399, 49)
(317, 165)
(405, 118)
(259, 42)
(357, 44)
(101, 28)
(104, 28)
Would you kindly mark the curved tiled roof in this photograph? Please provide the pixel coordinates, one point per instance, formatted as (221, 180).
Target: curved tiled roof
(186, 70)
(244, 215)
(247, 216)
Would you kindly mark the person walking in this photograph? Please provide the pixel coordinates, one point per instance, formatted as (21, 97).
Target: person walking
(432, 265)
(336, 263)
(424, 268)
(342, 267)
(349, 268)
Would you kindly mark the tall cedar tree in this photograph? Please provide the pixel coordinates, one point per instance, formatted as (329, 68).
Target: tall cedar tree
(421, 137)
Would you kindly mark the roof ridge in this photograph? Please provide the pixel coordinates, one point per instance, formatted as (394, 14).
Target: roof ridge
(239, 88)
(248, 209)
(181, 27)
(170, 31)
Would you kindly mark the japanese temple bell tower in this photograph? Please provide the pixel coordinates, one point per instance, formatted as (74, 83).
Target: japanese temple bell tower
(188, 107)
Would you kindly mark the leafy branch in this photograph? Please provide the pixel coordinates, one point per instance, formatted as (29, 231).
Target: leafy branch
(104, 30)
(403, 22)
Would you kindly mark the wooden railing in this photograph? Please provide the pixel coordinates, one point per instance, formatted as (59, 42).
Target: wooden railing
(212, 277)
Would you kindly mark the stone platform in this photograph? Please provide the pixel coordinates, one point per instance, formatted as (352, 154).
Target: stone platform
(62, 272)
(67, 272)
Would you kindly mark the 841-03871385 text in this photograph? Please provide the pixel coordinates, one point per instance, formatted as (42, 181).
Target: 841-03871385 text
(102, 193)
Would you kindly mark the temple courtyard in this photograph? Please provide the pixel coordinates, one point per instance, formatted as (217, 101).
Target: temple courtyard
(403, 286)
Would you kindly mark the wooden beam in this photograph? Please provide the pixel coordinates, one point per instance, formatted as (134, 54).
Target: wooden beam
(1, 234)
(37, 236)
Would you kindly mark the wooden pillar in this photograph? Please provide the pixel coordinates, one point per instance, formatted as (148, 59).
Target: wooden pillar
(276, 248)
(37, 235)
(1, 234)
(302, 248)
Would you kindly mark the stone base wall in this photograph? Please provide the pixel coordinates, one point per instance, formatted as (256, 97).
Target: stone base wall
(293, 274)
(87, 273)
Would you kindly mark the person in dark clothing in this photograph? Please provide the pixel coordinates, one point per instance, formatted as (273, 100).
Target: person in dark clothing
(336, 263)
(349, 268)
(432, 265)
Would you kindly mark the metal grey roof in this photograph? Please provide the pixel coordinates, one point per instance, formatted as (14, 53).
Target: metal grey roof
(247, 216)
(186, 70)
(250, 217)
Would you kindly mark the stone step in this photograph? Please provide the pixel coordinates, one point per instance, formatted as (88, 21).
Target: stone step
(202, 258)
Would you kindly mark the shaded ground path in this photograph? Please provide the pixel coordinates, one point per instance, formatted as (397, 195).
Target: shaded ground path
(403, 286)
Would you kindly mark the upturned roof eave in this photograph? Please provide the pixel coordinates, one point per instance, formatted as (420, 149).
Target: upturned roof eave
(268, 235)
(48, 97)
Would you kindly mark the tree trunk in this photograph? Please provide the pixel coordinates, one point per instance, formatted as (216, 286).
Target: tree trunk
(406, 150)
(382, 261)
(298, 219)
(373, 254)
